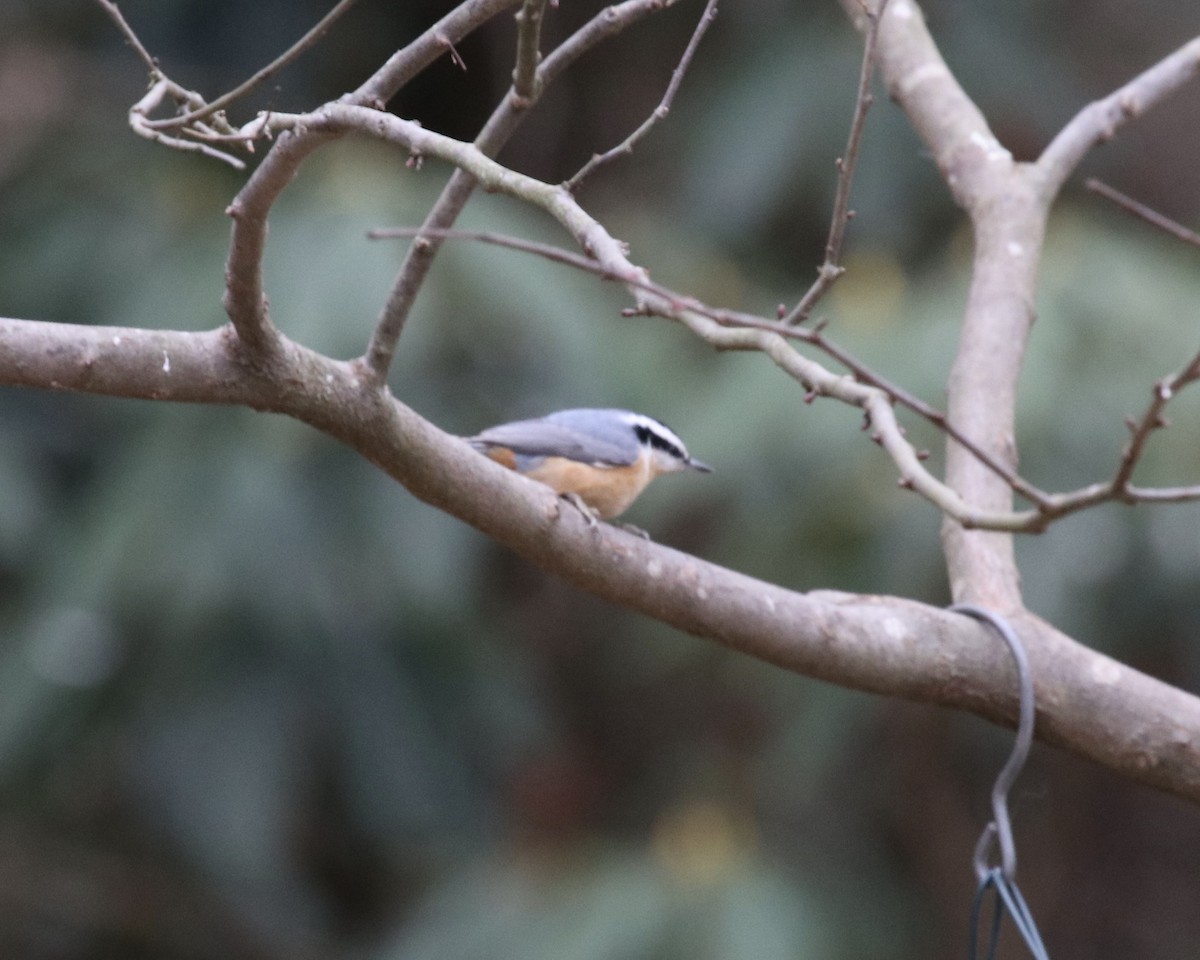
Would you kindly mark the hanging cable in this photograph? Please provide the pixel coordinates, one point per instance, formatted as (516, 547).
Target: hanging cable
(1001, 877)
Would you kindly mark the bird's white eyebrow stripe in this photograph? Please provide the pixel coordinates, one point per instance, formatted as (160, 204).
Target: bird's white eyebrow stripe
(656, 426)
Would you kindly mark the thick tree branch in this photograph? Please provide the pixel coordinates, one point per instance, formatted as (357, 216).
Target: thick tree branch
(982, 387)
(1087, 702)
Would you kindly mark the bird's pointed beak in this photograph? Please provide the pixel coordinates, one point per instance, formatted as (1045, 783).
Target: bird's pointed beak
(699, 465)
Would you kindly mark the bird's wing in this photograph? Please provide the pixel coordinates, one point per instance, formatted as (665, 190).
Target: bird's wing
(541, 438)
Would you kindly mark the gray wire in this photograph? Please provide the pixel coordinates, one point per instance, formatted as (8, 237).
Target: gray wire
(1009, 897)
(1000, 829)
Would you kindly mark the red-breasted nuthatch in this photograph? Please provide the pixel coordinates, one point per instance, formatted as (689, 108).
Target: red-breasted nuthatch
(603, 457)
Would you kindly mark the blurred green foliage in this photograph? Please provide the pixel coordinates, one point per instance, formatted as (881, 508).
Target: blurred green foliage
(255, 701)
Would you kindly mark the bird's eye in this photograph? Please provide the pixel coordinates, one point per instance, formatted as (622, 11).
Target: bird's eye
(658, 441)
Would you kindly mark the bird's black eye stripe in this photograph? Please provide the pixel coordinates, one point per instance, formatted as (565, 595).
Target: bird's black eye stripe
(657, 440)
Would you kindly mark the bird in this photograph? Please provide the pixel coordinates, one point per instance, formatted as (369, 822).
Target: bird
(601, 459)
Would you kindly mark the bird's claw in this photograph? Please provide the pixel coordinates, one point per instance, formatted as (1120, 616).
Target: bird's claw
(589, 514)
(593, 517)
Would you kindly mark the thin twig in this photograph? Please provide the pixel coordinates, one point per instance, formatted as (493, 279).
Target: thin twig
(1161, 494)
(831, 269)
(288, 56)
(130, 37)
(529, 30)
(544, 250)
(1165, 390)
(158, 91)
(455, 56)
(1152, 420)
(1143, 212)
(257, 129)
(660, 112)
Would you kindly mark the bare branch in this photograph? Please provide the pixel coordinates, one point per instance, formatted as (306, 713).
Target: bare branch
(245, 299)
(1099, 121)
(544, 250)
(310, 39)
(138, 123)
(831, 269)
(529, 31)
(130, 37)
(198, 367)
(496, 132)
(660, 112)
(161, 87)
(1152, 420)
(1162, 494)
(1143, 212)
(410, 60)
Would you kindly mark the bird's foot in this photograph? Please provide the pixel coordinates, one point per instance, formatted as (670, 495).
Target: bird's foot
(589, 513)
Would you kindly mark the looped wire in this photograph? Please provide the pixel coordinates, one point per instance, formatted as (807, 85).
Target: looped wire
(1009, 897)
(1002, 877)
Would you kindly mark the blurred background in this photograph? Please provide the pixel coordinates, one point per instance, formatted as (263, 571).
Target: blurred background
(257, 702)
